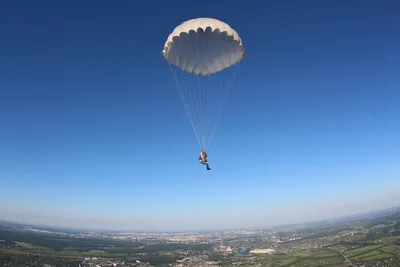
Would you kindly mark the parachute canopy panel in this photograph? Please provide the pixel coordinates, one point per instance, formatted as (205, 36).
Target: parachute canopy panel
(203, 46)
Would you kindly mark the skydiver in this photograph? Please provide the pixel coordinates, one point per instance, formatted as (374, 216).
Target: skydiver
(203, 159)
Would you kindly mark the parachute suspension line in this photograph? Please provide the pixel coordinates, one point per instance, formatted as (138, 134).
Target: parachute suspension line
(181, 92)
(206, 87)
(204, 100)
(204, 117)
(190, 100)
(225, 91)
(196, 100)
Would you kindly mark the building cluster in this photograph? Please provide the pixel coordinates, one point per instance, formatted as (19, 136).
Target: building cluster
(379, 263)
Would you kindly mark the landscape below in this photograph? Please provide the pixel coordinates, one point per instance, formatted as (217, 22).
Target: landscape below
(366, 240)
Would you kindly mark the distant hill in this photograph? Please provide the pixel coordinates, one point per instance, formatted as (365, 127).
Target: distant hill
(393, 212)
(17, 225)
(5, 223)
(371, 215)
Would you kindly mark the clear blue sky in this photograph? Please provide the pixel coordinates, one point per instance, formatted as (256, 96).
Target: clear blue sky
(93, 133)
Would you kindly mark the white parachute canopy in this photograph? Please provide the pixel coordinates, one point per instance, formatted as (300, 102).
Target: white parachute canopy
(203, 54)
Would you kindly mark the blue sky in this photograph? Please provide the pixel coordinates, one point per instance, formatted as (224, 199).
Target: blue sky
(93, 133)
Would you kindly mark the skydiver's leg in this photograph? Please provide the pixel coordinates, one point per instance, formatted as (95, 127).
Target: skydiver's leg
(208, 167)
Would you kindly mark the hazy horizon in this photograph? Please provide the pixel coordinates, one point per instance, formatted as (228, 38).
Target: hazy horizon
(204, 222)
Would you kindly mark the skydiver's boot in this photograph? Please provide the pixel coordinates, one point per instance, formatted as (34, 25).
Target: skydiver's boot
(208, 168)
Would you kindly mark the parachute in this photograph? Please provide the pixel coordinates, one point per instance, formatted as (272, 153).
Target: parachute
(202, 55)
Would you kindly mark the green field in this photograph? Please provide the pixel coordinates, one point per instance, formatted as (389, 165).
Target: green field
(315, 254)
(327, 257)
(378, 257)
(275, 260)
(314, 262)
(358, 251)
(373, 252)
(301, 258)
(391, 248)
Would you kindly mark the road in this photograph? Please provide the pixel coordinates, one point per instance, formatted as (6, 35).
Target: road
(346, 259)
